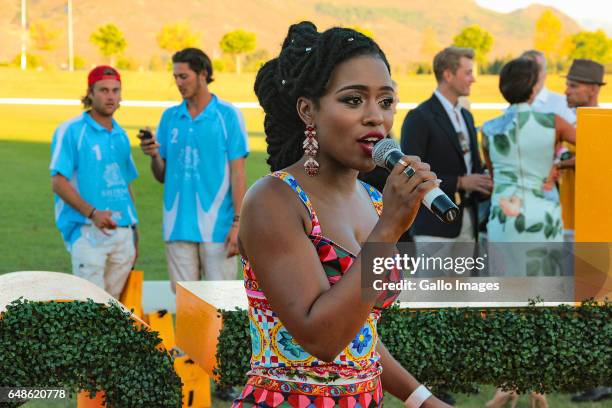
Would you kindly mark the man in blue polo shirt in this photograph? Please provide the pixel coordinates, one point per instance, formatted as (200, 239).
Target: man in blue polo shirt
(91, 168)
(199, 154)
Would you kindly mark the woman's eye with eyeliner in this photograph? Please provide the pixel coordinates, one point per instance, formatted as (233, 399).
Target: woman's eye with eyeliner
(352, 100)
(387, 102)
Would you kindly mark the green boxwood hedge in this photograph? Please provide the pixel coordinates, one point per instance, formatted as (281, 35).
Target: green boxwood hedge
(86, 346)
(560, 349)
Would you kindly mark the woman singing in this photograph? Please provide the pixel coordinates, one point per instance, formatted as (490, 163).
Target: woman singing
(328, 98)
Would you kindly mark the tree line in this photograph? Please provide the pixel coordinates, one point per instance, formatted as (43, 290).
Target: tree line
(240, 53)
(238, 46)
(550, 37)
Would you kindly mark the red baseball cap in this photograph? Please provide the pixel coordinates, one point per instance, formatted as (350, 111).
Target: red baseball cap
(102, 72)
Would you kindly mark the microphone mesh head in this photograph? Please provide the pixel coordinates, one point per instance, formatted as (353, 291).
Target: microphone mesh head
(381, 149)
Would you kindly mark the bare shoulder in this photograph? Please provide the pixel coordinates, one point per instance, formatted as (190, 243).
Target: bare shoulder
(272, 202)
(267, 192)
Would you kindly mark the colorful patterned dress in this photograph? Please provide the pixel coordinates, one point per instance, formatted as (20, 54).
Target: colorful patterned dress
(282, 373)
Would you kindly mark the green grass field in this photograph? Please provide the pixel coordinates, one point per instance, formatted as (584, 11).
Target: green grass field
(29, 239)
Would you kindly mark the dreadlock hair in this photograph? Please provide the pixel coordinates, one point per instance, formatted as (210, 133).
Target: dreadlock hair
(302, 69)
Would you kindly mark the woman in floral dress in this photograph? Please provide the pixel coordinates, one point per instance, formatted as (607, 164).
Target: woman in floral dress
(519, 150)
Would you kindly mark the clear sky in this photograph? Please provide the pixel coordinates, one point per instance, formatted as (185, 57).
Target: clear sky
(599, 10)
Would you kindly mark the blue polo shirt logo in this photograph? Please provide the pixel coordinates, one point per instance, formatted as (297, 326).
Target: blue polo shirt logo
(112, 176)
(189, 161)
(198, 203)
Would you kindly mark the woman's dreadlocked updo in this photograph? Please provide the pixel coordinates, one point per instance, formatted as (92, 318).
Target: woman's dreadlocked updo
(303, 68)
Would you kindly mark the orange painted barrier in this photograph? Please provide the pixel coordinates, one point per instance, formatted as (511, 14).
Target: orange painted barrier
(196, 383)
(131, 296)
(198, 322)
(85, 401)
(593, 203)
(161, 322)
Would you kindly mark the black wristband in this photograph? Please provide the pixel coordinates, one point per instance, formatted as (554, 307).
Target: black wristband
(91, 214)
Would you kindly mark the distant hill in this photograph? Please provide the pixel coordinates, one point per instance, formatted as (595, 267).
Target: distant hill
(398, 25)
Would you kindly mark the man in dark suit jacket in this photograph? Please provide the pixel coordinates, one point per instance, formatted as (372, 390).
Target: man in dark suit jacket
(442, 133)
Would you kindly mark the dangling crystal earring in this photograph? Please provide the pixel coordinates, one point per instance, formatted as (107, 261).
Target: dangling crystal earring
(311, 147)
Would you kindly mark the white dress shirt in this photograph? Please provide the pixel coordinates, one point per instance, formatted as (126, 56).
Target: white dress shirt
(456, 118)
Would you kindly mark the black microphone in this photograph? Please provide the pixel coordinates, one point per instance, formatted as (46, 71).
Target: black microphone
(387, 153)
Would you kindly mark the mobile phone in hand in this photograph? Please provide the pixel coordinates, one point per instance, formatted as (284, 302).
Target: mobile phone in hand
(146, 134)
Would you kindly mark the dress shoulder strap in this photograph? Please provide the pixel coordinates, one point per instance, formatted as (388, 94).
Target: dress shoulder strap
(292, 182)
